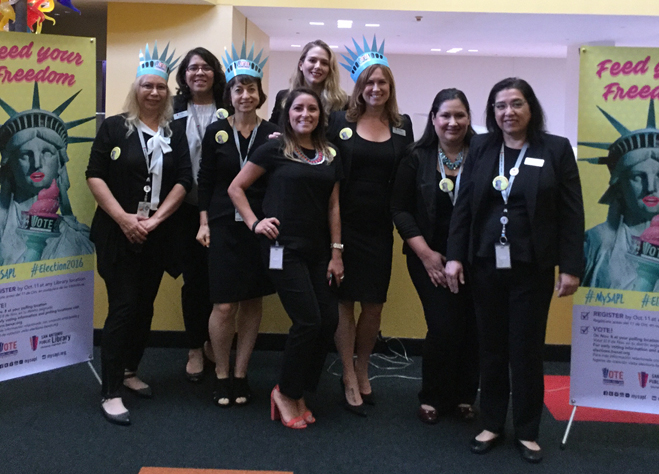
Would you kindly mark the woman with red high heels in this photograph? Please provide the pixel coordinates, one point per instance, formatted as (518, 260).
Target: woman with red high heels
(301, 243)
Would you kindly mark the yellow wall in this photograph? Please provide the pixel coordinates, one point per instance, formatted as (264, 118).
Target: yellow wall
(215, 27)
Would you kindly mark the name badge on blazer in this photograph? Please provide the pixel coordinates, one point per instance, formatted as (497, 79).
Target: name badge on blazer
(180, 115)
(399, 131)
(539, 162)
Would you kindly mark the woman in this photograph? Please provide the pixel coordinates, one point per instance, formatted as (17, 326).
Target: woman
(139, 173)
(512, 241)
(200, 93)
(318, 70)
(428, 183)
(302, 244)
(238, 276)
(372, 137)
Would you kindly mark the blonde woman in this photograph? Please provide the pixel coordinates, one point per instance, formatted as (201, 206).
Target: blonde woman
(139, 173)
(318, 70)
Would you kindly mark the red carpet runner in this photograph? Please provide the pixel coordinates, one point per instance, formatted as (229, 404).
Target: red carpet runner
(557, 398)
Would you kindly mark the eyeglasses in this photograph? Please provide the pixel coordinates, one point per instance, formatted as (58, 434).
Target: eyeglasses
(205, 68)
(147, 86)
(515, 105)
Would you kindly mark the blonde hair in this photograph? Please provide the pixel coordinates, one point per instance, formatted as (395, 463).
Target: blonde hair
(132, 108)
(332, 97)
(357, 106)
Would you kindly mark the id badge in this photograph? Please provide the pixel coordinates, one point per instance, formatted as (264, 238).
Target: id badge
(502, 253)
(276, 257)
(143, 209)
(237, 216)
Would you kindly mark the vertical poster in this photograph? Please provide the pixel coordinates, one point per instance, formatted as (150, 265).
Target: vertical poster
(615, 329)
(47, 121)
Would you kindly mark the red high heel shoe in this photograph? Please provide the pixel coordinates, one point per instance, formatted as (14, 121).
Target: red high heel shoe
(275, 414)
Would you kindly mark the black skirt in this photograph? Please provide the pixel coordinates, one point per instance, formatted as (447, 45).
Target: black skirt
(236, 270)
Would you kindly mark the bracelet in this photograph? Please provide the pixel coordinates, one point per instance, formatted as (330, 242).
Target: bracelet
(336, 246)
(256, 222)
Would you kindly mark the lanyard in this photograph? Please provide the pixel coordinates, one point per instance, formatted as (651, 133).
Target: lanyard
(505, 193)
(249, 145)
(454, 197)
(197, 123)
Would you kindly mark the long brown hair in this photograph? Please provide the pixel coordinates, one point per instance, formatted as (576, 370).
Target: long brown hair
(318, 136)
(357, 106)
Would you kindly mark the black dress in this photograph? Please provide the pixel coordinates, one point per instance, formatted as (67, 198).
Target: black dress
(236, 271)
(366, 227)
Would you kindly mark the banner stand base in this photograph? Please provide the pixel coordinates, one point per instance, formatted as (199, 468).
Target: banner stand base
(567, 430)
(91, 367)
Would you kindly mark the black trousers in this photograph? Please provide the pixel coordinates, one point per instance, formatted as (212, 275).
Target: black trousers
(450, 351)
(511, 308)
(132, 285)
(195, 298)
(313, 308)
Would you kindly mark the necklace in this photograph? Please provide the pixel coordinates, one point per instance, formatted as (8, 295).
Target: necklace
(316, 160)
(448, 163)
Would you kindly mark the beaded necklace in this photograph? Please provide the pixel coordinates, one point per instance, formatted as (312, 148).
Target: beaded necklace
(448, 163)
(318, 159)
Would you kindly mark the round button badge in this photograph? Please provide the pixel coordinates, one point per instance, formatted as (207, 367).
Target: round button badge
(221, 114)
(514, 171)
(446, 185)
(115, 153)
(500, 183)
(221, 137)
(332, 152)
(345, 133)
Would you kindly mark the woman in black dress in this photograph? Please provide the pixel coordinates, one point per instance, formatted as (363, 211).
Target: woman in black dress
(512, 238)
(372, 137)
(238, 278)
(200, 93)
(318, 70)
(426, 188)
(301, 241)
(139, 173)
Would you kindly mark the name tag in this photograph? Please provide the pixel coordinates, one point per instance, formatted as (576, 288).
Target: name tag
(534, 162)
(276, 257)
(399, 131)
(180, 115)
(502, 255)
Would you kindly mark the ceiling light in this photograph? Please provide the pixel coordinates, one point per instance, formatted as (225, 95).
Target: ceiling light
(344, 23)
(374, 25)
(454, 50)
(472, 50)
(317, 23)
(333, 46)
(435, 49)
(296, 46)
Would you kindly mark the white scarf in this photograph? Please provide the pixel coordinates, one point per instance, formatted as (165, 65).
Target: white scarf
(156, 146)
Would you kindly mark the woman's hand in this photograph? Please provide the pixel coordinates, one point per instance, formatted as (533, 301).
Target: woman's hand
(274, 135)
(204, 235)
(567, 284)
(268, 227)
(454, 275)
(132, 228)
(149, 224)
(335, 270)
(434, 263)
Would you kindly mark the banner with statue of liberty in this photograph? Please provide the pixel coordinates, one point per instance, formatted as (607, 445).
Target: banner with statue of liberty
(615, 330)
(47, 121)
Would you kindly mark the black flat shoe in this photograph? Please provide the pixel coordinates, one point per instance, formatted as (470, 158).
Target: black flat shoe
(482, 447)
(368, 398)
(222, 391)
(528, 455)
(429, 417)
(465, 413)
(145, 392)
(122, 419)
(241, 390)
(358, 410)
(194, 377)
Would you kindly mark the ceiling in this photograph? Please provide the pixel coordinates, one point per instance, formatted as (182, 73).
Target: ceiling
(492, 34)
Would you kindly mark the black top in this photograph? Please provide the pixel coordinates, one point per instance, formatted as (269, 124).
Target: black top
(126, 177)
(298, 196)
(220, 164)
(519, 225)
(278, 107)
(443, 211)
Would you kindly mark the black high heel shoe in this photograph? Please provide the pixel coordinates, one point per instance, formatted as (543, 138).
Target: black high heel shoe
(358, 410)
(241, 391)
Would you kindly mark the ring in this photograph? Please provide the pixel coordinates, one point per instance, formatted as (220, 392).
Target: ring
(342, 277)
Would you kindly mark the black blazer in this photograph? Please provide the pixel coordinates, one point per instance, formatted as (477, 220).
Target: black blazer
(402, 138)
(554, 203)
(414, 196)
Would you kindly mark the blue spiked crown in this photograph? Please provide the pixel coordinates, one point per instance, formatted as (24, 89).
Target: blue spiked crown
(360, 59)
(249, 65)
(37, 117)
(152, 63)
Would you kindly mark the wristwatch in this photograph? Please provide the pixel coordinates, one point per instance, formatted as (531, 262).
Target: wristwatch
(336, 246)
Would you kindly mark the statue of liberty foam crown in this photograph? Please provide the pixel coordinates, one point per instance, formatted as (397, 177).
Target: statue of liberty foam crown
(243, 64)
(152, 63)
(360, 59)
